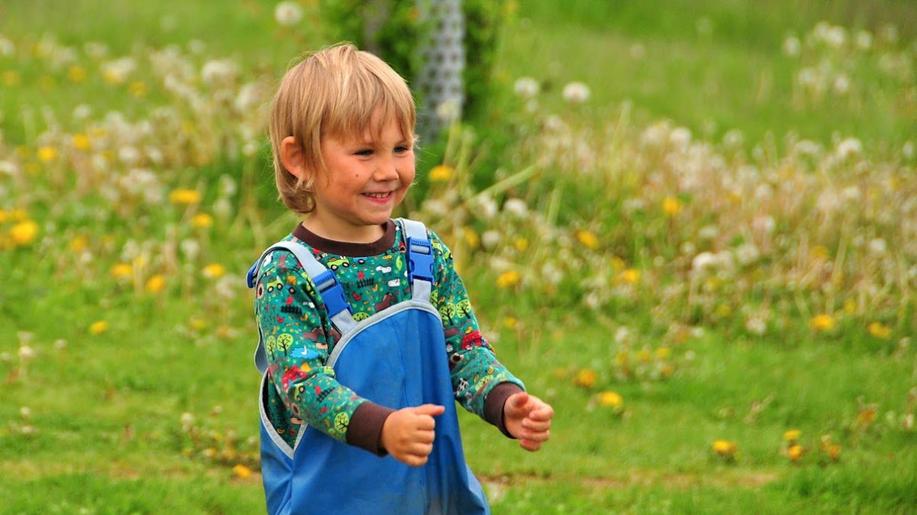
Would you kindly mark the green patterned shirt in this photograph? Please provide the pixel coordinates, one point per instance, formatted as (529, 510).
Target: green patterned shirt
(298, 335)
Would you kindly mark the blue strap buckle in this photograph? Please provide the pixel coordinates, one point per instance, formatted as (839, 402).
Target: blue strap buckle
(420, 260)
(331, 292)
(252, 274)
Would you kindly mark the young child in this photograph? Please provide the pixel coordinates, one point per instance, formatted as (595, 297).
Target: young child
(367, 333)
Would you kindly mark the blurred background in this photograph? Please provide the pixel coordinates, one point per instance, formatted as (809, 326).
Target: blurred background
(689, 225)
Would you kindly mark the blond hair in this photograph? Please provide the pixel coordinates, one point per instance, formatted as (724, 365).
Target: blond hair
(338, 91)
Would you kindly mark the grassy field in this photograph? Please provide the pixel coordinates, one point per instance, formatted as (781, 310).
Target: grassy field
(708, 266)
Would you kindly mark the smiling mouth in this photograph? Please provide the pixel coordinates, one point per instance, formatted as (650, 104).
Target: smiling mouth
(379, 196)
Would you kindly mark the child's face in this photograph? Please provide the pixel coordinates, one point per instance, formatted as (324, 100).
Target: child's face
(366, 178)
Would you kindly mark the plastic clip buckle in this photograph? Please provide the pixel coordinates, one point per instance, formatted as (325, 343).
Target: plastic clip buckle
(331, 292)
(420, 260)
(252, 274)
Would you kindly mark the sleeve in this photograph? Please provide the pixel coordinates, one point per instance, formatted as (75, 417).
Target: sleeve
(297, 335)
(480, 382)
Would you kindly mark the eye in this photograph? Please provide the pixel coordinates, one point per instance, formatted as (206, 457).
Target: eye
(364, 152)
(401, 149)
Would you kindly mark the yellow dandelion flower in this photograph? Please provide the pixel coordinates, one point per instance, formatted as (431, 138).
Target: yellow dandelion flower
(585, 378)
(80, 141)
(588, 239)
(792, 435)
(241, 471)
(19, 215)
(214, 271)
(510, 322)
(880, 330)
(521, 244)
(795, 452)
(833, 451)
(156, 283)
(663, 353)
(122, 271)
(610, 399)
(822, 322)
(4, 216)
(725, 448)
(11, 78)
(644, 356)
(629, 276)
(671, 206)
(98, 327)
(47, 154)
(723, 310)
(24, 232)
(441, 173)
(666, 370)
(850, 306)
(202, 221)
(76, 73)
(198, 324)
(184, 196)
(138, 88)
(508, 279)
(819, 252)
(471, 237)
(617, 264)
(867, 416)
(621, 358)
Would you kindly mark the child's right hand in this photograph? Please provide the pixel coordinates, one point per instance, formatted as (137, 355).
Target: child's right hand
(408, 433)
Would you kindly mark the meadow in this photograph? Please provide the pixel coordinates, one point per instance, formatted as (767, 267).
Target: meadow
(690, 226)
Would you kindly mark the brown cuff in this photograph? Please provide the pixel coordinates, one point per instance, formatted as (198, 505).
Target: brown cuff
(365, 429)
(493, 405)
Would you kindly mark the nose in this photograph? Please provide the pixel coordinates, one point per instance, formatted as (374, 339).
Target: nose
(386, 170)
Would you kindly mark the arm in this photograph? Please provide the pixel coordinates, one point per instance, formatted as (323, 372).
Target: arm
(297, 341)
(480, 382)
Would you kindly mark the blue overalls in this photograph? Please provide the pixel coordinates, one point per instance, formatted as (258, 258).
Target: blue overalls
(395, 358)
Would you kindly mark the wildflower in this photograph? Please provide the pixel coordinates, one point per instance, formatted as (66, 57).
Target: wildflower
(795, 452)
(184, 196)
(138, 88)
(791, 46)
(526, 87)
(508, 279)
(76, 74)
(822, 322)
(214, 271)
(588, 239)
(725, 448)
(11, 78)
(521, 244)
(671, 206)
(663, 352)
(202, 221)
(122, 270)
(510, 322)
(585, 378)
(516, 207)
(471, 237)
(792, 435)
(880, 330)
(867, 415)
(576, 92)
(60, 344)
(187, 420)
(24, 232)
(644, 356)
(26, 352)
(449, 110)
(832, 451)
(98, 327)
(25, 412)
(610, 399)
(241, 471)
(441, 173)
(850, 306)
(629, 276)
(216, 72)
(47, 154)
(156, 283)
(849, 147)
(80, 141)
(756, 326)
(287, 14)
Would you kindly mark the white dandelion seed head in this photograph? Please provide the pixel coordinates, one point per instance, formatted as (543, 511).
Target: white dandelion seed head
(95, 49)
(791, 46)
(490, 239)
(747, 253)
(196, 46)
(526, 87)
(7, 48)
(680, 137)
(576, 92)
(25, 412)
(733, 138)
(622, 335)
(849, 147)
(9, 168)
(82, 112)
(190, 248)
(288, 14)
(864, 40)
(841, 84)
(756, 326)
(128, 155)
(851, 193)
(449, 110)
(26, 352)
(218, 71)
(908, 150)
(708, 232)
(764, 224)
(551, 274)
(516, 207)
(878, 246)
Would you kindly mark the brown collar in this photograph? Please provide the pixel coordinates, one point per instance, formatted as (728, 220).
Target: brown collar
(346, 248)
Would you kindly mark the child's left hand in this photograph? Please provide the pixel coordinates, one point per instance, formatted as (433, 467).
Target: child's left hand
(528, 419)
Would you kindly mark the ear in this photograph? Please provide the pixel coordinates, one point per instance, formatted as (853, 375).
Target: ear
(293, 158)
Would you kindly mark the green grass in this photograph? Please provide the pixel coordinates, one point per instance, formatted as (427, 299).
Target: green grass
(106, 408)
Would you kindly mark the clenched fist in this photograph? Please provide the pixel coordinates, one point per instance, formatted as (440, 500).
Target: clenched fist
(408, 433)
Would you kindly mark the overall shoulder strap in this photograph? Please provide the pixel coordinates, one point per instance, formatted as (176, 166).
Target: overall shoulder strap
(420, 258)
(325, 283)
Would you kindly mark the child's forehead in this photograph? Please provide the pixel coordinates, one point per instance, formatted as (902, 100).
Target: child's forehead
(372, 133)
